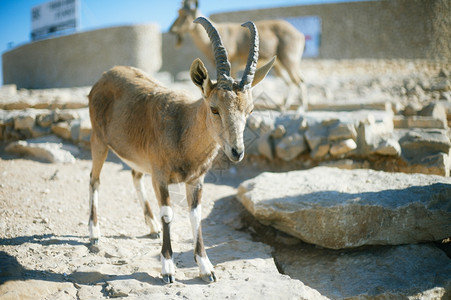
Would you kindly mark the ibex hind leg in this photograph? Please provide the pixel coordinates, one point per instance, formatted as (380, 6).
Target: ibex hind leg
(99, 153)
(151, 221)
(295, 81)
(281, 72)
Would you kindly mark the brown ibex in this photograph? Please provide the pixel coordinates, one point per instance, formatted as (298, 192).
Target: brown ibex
(171, 136)
(277, 38)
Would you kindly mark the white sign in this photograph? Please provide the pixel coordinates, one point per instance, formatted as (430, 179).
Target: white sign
(310, 26)
(53, 16)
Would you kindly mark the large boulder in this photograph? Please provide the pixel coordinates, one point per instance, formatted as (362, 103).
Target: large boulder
(338, 209)
(49, 149)
(386, 272)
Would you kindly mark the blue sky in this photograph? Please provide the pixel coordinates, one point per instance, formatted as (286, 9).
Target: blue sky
(15, 15)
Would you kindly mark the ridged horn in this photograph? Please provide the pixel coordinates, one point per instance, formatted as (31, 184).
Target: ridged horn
(220, 53)
(251, 65)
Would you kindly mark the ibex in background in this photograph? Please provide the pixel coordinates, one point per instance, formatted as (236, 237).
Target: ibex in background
(172, 136)
(277, 38)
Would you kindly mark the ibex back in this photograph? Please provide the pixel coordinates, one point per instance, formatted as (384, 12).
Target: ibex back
(171, 136)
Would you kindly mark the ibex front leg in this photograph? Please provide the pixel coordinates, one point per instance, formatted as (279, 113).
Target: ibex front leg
(166, 214)
(194, 197)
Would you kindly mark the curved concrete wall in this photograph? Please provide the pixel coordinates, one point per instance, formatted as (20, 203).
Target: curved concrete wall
(80, 59)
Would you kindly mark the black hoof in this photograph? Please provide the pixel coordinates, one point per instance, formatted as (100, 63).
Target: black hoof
(154, 236)
(94, 246)
(168, 278)
(209, 277)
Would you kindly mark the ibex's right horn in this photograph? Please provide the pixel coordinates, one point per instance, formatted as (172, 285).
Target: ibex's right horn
(222, 63)
(251, 65)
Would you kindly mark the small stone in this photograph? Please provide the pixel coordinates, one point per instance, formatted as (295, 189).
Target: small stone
(320, 151)
(389, 147)
(278, 132)
(254, 122)
(342, 131)
(290, 147)
(342, 147)
(25, 121)
(264, 145)
(62, 129)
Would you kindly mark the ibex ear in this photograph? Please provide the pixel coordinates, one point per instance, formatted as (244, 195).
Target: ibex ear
(261, 72)
(199, 76)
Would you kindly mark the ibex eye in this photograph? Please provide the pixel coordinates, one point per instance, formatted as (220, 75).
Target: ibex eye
(214, 110)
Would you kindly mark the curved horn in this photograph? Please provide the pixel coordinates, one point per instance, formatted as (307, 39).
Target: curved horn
(251, 65)
(222, 63)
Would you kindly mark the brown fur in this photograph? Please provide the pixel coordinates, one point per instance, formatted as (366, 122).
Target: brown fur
(142, 121)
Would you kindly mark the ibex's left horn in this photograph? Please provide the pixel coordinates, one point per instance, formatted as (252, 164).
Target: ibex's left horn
(251, 65)
(222, 63)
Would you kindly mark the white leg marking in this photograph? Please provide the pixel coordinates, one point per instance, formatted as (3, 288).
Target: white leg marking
(141, 192)
(154, 225)
(195, 218)
(94, 230)
(205, 266)
(167, 266)
(166, 213)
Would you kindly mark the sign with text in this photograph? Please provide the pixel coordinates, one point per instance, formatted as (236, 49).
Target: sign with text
(310, 26)
(53, 17)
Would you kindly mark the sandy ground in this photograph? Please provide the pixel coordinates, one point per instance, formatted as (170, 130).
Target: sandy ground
(45, 254)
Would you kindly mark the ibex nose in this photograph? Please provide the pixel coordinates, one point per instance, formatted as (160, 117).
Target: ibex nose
(238, 155)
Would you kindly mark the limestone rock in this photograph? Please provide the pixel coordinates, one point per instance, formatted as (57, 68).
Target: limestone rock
(264, 145)
(339, 209)
(24, 121)
(396, 272)
(45, 119)
(62, 129)
(342, 131)
(435, 110)
(321, 151)
(342, 147)
(290, 147)
(278, 132)
(388, 147)
(38, 289)
(422, 142)
(316, 135)
(65, 115)
(49, 149)
(437, 164)
(419, 122)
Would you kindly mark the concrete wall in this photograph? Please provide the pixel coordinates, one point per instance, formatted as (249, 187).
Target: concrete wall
(407, 29)
(394, 29)
(80, 59)
(177, 59)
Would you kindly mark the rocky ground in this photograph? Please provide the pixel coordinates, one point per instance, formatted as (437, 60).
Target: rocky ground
(44, 250)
